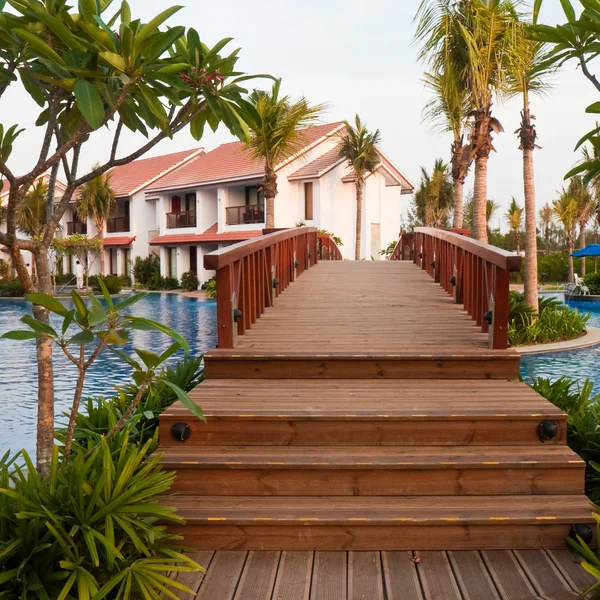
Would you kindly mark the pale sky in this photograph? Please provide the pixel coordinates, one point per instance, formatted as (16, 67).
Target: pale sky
(358, 58)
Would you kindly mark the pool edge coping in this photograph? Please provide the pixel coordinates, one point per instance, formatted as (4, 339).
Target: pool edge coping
(591, 338)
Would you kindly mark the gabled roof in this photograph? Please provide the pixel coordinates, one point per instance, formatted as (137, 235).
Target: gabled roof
(59, 186)
(210, 235)
(129, 179)
(118, 241)
(318, 167)
(230, 162)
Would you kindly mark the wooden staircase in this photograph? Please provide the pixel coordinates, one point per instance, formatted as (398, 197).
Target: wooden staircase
(362, 455)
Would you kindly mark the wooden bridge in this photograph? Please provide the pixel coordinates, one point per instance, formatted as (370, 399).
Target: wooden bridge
(369, 406)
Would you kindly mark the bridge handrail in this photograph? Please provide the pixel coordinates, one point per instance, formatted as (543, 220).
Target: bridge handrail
(328, 249)
(474, 273)
(251, 274)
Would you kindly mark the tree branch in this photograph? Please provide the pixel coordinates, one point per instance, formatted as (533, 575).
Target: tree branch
(586, 72)
(76, 401)
(115, 144)
(69, 355)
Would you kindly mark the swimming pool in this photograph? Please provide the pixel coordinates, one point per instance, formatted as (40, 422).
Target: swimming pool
(580, 364)
(194, 318)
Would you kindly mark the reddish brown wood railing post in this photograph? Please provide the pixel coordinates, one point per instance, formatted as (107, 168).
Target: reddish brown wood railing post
(498, 333)
(227, 328)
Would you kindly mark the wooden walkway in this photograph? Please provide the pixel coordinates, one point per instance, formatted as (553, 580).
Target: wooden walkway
(485, 575)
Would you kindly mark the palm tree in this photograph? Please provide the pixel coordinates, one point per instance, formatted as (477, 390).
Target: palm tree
(473, 39)
(97, 202)
(580, 191)
(433, 200)
(32, 218)
(448, 111)
(277, 135)
(358, 147)
(545, 215)
(527, 74)
(514, 218)
(566, 212)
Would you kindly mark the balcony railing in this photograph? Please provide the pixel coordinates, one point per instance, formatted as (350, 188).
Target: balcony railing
(241, 215)
(76, 227)
(117, 224)
(186, 218)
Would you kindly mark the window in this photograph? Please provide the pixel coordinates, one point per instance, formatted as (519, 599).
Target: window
(175, 204)
(308, 201)
(190, 201)
(253, 195)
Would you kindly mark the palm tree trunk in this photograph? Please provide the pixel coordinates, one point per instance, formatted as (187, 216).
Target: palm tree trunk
(100, 228)
(270, 191)
(582, 246)
(480, 200)
(269, 212)
(570, 251)
(359, 199)
(531, 277)
(457, 192)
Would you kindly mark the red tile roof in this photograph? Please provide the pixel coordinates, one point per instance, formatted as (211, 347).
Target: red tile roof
(128, 179)
(210, 235)
(230, 161)
(319, 166)
(392, 170)
(118, 241)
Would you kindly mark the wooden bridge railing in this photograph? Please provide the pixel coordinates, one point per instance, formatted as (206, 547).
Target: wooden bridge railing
(251, 274)
(474, 273)
(327, 248)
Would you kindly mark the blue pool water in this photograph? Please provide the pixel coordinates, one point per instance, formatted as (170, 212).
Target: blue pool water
(580, 364)
(194, 318)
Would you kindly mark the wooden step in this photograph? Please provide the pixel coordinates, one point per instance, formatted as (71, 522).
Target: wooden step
(376, 523)
(360, 413)
(375, 471)
(249, 364)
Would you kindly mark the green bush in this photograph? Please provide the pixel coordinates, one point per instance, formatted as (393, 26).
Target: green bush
(145, 268)
(553, 268)
(156, 282)
(170, 283)
(11, 287)
(113, 283)
(592, 281)
(94, 529)
(125, 281)
(189, 281)
(64, 278)
(211, 289)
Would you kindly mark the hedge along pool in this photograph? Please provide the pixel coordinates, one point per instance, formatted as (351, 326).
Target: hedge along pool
(194, 318)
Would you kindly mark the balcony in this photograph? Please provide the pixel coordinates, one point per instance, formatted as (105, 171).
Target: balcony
(76, 227)
(117, 224)
(186, 218)
(242, 215)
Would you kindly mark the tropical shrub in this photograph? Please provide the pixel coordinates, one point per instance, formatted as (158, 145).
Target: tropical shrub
(189, 281)
(3, 268)
(211, 289)
(582, 406)
(125, 281)
(93, 529)
(389, 249)
(336, 238)
(553, 267)
(145, 268)
(592, 281)
(11, 287)
(64, 278)
(113, 283)
(170, 283)
(155, 282)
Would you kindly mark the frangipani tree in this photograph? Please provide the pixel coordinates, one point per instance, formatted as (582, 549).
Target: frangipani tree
(91, 67)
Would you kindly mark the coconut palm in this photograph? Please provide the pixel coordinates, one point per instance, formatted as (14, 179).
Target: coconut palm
(358, 147)
(566, 213)
(433, 199)
(545, 216)
(448, 112)
(514, 218)
(586, 205)
(277, 135)
(473, 39)
(97, 202)
(32, 218)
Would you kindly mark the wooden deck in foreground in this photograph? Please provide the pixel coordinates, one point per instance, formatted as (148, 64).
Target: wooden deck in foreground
(364, 411)
(486, 575)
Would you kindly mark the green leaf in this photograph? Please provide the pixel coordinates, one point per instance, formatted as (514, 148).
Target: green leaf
(38, 325)
(125, 357)
(186, 400)
(169, 352)
(19, 335)
(593, 108)
(49, 302)
(89, 103)
(115, 60)
(130, 301)
(67, 321)
(82, 338)
(148, 414)
(568, 10)
(148, 324)
(106, 294)
(79, 304)
(41, 46)
(150, 359)
(154, 24)
(587, 137)
(32, 89)
(97, 314)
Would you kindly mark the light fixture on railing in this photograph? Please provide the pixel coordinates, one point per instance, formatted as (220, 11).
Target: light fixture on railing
(275, 282)
(433, 264)
(453, 280)
(488, 317)
(296, 264)
(420, 255)
(237, 315)
(181, 431)
(583, 531)
(310, 255)
(547, 430)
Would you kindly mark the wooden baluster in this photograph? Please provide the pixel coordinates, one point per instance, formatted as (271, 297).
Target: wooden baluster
(438, 261)
(253, 289)
(478, 291)
(488, 274)
(226, 328)
(459, 277)
(500, 304)
(269, 274)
